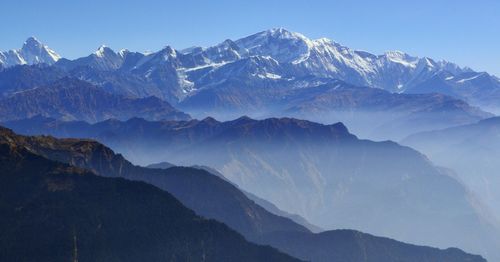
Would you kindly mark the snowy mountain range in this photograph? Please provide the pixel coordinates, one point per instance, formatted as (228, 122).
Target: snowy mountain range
(267, 74)
(269, 55)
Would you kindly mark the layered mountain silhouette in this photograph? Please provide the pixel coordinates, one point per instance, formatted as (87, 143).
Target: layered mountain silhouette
(56, 212)
(321, 172)
(370, 112)
(478, 88)
(207, 194)
(349, 245)
(73, 99)
(472, 151)
(317, 170)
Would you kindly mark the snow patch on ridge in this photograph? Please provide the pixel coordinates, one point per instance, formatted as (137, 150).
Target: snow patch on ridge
(469, 79)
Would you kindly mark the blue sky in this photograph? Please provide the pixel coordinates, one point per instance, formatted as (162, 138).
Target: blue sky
(465, 32)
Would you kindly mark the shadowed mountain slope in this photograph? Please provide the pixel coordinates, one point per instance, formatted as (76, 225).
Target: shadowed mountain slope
(213, 197)
(320, 172)
(72, 99)
(55, 212)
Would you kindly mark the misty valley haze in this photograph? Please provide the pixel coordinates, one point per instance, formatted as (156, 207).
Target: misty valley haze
(272, 147)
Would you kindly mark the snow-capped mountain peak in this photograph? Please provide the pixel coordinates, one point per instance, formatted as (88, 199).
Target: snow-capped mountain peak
(401, 58)
(123, 52)
(32, 52)
(104, 58)
(103, 51)
(324, 41)
(32, 43)
(169, 52)
(283, 33)
(279, 43)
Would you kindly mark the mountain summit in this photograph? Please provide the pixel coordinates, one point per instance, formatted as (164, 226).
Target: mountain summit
(32, 52)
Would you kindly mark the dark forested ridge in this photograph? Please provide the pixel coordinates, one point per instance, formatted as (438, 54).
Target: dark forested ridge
(55, 212)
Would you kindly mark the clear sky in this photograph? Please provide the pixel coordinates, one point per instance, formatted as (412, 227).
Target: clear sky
(465, 32)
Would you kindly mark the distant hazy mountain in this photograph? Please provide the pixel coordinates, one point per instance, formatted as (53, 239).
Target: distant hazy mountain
(369, 112)
(478, 88)
(32, 52)
(24, 77)
(472, 151)
(320, 172)
(56, 212)
(161, 165)
(275, 210)
(73, 99)
(213, 197)
(349, 245)
(259, 201)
